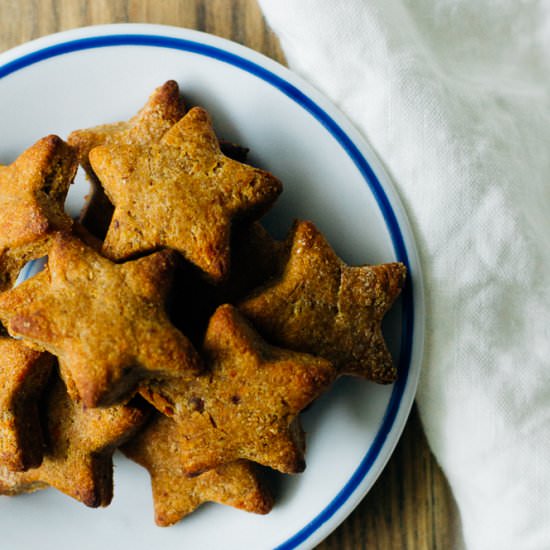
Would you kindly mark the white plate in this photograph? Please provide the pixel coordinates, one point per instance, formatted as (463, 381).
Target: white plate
(101, 74)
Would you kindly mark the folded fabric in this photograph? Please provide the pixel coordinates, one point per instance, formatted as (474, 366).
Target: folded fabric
(454, 96)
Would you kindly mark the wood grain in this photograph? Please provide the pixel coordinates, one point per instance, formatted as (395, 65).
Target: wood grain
(238, 20)
(410, 506)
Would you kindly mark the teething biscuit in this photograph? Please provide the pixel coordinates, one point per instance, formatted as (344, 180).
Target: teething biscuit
(157, 448)
(104, 321)
(247, 402)
(32, 196)
(181, 193)
(322, 306)
(80, 445)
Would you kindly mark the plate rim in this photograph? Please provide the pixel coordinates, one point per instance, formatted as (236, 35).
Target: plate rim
(371, 169)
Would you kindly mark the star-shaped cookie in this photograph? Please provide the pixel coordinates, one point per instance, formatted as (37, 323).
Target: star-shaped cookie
(104, 321)
(175, 495)
(247, 404)
(181, 193)
(32, 196)
(163, 109)
(80, 445)
(322, 306)
(23, 376)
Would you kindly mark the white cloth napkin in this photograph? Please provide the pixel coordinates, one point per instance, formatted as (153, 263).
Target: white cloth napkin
(454, 95)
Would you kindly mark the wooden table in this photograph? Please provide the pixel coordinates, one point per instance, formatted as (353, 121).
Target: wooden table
(410, 506)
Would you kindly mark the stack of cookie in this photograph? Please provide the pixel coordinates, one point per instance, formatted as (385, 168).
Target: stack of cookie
(168, 322)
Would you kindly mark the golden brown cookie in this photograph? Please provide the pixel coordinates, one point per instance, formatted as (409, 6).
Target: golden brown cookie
(322, 306)
(247, 404)
(163, 109)
(80, 445)
(23, 376)
(175, 495)
(181, 193)
(104, 321)
(32, 197)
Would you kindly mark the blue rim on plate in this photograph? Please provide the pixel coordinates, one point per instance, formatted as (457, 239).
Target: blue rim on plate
(364, 168)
